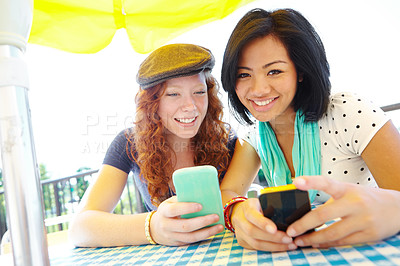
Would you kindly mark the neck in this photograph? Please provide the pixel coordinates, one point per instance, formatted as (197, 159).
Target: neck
(183, 152)
(179, 145)
(284, 124)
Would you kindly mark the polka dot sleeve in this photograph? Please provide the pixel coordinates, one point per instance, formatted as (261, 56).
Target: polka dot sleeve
(354, 121)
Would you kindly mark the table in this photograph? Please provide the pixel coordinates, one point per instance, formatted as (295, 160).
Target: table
(222, 249)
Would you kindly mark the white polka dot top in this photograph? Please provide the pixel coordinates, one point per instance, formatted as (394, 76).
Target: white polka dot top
(345, 130)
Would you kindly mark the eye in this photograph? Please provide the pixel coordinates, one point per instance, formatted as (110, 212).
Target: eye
(243, 75)
(171, 94)
(274, 72)
(201, 92)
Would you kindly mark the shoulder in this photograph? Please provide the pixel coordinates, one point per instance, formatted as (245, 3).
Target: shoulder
(124, 136)
(122, 143)
(120, 150)
(349, 105)
(351, 120)
(249, 133)
(348, 109)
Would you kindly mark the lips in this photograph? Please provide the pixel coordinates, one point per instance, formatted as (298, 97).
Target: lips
(263, 105)
(186, 120)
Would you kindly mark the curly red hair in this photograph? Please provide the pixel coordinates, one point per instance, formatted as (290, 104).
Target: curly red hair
(148, 146)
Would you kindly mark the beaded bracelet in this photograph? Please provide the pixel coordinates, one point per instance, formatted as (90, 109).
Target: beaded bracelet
(147, 228)
(227, 211)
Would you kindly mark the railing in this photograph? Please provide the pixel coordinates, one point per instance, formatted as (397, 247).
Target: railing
(62, 195)
(391, 107)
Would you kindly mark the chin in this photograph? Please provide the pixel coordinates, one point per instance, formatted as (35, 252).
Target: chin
(261, 118)
(187, 136)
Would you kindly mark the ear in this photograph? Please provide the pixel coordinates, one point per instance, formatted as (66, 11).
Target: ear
(300, 77)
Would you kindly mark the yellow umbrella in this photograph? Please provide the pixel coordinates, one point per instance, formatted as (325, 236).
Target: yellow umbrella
(87, 26)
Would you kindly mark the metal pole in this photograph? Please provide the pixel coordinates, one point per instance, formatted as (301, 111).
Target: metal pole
(21, 177)
(24, 202)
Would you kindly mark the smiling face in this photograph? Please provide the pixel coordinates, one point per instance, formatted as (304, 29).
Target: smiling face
(266, 79)
(183, 105)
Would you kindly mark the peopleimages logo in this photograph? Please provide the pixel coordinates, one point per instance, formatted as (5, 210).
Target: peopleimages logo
(99, 129)
(105, 124)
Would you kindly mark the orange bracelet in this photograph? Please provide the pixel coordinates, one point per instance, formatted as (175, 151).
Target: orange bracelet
(227, 211)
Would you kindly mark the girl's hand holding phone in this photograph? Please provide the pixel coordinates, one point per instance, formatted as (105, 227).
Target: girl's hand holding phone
(168, 228)
(254, 231)
(361, 211)
(195, 213)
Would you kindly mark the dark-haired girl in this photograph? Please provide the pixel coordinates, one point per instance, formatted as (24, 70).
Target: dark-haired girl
(340, 147)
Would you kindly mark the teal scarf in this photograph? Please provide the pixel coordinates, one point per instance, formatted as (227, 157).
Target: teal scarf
(306, 153)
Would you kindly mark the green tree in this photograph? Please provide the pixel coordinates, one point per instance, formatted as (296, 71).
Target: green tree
(82, 183)
(48, 196)
(1, 178)
(43, 172)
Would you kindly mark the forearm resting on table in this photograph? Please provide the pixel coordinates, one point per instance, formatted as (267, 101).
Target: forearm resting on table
(241, 172)
(92, 228)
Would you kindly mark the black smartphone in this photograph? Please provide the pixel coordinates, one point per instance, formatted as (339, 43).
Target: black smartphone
(284, 205)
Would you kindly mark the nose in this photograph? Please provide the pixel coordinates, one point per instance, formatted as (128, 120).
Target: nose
(260, 86)
(188, 103)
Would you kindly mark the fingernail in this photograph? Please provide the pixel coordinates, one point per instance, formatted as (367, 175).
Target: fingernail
(270, 229)
(287, 240)
(300, 181)
(292, 246)
(291, 232)
(299, 242)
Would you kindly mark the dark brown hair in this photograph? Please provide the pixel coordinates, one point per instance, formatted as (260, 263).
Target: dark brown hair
(304, 47)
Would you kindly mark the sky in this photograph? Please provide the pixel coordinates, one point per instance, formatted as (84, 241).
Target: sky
(80, 102)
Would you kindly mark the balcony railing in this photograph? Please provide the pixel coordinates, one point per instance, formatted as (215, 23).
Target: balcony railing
(61, 197)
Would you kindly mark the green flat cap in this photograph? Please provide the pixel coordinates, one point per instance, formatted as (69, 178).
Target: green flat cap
(173, 61)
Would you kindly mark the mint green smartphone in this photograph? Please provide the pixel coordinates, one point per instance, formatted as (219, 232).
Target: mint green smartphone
(199, 184)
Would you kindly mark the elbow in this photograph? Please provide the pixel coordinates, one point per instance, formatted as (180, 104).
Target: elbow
(79, 231)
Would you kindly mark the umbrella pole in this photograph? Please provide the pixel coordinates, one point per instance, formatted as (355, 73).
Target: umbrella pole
(24, 202)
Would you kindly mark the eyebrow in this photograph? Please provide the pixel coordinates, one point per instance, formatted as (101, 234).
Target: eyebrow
(266, 65)
(180, 87)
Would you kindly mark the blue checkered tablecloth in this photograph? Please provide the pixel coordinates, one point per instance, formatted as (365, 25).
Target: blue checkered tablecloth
(222, 249)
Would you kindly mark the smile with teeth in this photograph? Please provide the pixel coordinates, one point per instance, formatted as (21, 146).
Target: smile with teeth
(262, 103)
(185, 120)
